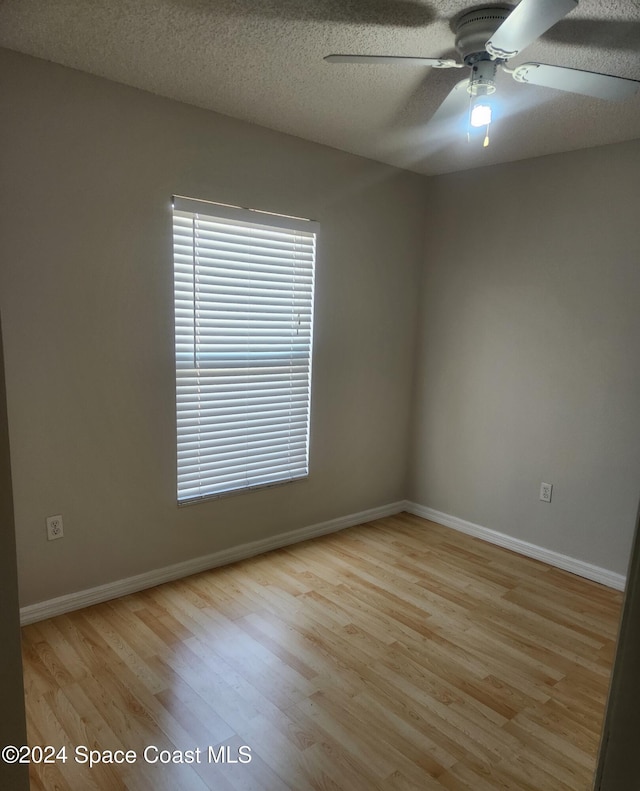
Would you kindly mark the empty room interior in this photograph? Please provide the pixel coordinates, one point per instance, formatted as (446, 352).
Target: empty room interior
(426, 593)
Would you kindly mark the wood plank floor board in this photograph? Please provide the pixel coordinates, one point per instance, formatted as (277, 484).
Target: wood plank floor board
(560, 651)
(350, 731)
(547, 745)
(394, 656)
(560, 612)
(50, 726)
(474, 775)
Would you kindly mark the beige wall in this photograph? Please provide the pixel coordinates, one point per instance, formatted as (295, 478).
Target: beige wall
(12, 720)
(529, 362)
(86, 293)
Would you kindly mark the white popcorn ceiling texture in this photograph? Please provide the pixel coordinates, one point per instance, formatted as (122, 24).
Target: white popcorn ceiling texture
(262, 61)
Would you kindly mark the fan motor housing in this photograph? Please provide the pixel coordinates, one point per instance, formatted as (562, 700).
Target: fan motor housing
(475, 28)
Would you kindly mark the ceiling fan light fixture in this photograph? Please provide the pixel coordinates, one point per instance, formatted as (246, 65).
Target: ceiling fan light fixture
(481, 86)
(482, 81)
(480, 115)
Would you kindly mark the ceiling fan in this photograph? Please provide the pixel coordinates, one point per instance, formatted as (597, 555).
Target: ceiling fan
(486, 38)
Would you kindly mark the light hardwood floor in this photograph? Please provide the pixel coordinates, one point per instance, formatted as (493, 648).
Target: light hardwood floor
(395, 655)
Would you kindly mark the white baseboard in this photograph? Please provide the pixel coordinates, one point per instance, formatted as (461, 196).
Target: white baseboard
(112, 590)
(579, 567)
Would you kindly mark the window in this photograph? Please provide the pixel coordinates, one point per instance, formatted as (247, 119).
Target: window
(243, 336)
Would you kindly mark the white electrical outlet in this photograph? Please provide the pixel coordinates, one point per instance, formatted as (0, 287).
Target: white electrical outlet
(545, 492)
(54, 527)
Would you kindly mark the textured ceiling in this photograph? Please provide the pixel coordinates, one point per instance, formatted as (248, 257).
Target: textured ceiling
(262, 61)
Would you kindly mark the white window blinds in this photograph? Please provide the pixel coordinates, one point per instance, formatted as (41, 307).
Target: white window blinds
(243, 337)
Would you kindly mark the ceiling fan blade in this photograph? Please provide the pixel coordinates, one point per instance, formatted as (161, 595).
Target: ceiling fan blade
(589, 83)
(528, 20)
(455, 105)
(435, 63)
